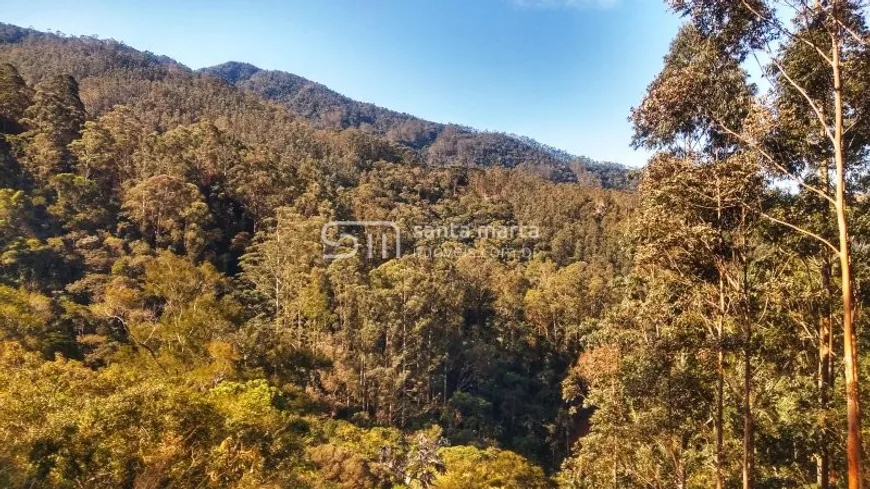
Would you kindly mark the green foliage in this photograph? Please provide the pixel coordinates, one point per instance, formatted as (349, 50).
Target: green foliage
(437, 144)
(168, 317)
(720, 363)
(169, 212)
(15, 98)
(471, 468)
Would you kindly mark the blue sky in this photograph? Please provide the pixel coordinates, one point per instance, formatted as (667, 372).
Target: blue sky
(565, 72)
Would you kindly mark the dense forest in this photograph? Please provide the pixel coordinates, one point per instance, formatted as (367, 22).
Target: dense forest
(438, 144)
(169, 317)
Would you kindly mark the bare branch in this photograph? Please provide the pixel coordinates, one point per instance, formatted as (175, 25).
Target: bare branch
(853, 34)
(798, 229)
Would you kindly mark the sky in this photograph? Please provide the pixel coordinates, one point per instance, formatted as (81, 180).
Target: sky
(564, 72)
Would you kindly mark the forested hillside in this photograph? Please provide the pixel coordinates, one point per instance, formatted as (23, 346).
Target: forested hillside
(439, 144)
(106, 65)
(180, 306)
(169, 318)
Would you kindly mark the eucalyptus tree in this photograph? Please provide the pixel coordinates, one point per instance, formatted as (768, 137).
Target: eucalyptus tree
(15, 98)
(813, 54)
(705, 172)
(54, 120)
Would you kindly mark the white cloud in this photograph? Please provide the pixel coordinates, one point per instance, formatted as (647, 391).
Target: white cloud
(565, 4)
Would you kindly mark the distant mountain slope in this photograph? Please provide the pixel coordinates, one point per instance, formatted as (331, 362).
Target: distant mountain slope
(321, 106)
(162, 93)
(112, 73)
(439, 144)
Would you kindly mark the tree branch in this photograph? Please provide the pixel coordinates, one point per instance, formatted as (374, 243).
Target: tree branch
(798, 229)
(800, 181)
(791, 35)
(805, 95)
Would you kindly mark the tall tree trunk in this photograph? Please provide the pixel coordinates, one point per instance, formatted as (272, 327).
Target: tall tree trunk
(850, 348)
(720, 384)
(747, 408)
(404, 357)
(748, 317)
(825, 345)
(681, 465)
(825, 376)
(720, 353)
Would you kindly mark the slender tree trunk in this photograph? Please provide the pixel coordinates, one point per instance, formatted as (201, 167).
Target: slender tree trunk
(850, 348)
(747, 408)
(826, 336)
(825, 380)
(720, 385)
(444, 396)
(681, 466)
(748, 317)
(402, 398)
(381, 382)
(720, 353)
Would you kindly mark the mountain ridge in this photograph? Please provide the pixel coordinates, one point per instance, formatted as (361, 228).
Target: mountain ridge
(328, 109)
(41, 54)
